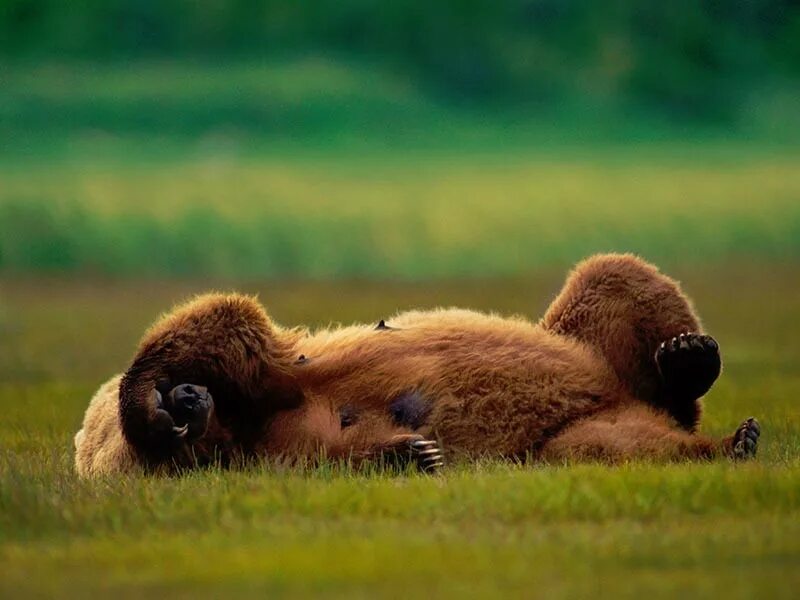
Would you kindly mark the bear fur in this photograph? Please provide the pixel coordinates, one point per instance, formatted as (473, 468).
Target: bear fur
(608, 373)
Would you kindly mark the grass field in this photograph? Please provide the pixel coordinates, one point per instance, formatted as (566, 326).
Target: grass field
(324, 169)
(129, 188)
(408, 217)
(713, 530)
(345, 163)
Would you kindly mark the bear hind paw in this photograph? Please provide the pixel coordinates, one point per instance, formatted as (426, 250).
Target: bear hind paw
(689, 364)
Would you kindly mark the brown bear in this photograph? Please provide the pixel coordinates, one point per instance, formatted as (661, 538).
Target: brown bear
(614, 370)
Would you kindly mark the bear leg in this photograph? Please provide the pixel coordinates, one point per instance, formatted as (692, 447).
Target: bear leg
(689, 365)
(639, 432)
(626, 308)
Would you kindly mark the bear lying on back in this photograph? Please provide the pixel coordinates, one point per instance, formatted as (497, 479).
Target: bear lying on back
(614, 370)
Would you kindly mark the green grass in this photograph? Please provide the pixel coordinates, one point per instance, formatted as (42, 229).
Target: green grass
(343, 194)
(320, 168)
(389, 216)
(53, 108)
(698, 530)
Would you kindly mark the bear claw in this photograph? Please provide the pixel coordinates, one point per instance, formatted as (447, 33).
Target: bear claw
(745, 440)
(427, 454)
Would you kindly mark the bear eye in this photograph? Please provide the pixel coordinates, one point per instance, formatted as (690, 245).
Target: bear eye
(347, 416)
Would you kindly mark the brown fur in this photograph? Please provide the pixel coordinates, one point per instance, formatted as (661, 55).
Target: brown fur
(580, 384)
(625, 308)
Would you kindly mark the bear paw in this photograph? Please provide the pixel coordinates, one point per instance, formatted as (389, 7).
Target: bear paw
(689, 364)
(745, 440)
(180, 417)
(413, 449)
(164, 434)
(190, 407)
(427, 455)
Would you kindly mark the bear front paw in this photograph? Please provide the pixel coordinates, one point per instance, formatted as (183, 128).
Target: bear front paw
(165, 435)
(426, 455)
(190, 406)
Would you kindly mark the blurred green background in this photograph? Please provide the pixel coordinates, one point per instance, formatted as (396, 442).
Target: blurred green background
(346, 160)
(244, 139)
